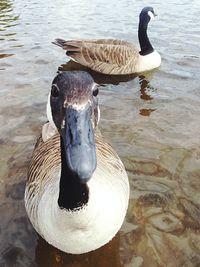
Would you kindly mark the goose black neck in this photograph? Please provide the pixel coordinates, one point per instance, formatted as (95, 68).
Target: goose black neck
(145, 45)
(72, 194)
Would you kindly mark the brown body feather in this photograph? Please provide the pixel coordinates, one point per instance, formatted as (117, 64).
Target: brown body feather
(108, 56)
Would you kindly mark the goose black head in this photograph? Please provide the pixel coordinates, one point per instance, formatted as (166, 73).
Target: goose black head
(75, 112)
(146, 15)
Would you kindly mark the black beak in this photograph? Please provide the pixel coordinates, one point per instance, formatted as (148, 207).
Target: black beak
(78, 137)
(155, 15)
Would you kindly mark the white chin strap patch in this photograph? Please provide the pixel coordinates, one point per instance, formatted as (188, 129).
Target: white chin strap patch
(49, 114)
(151, 15)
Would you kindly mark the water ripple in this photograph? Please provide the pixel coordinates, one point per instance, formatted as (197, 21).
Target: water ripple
(152, 121)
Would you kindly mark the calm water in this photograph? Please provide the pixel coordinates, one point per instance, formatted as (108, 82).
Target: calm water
(153, 121)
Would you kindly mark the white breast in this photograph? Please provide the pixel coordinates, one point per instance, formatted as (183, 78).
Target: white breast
(48, 111)
(148, 62)
(94, 225)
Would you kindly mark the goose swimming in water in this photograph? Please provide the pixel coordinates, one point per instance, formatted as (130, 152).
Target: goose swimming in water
(116, 57)
(77, 190)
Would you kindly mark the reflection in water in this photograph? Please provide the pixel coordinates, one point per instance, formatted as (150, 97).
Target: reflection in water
(146, 91)
(146, 111)
(7, 20)
(98, 77)
(5, 55)
(106, 256)
(145, 88)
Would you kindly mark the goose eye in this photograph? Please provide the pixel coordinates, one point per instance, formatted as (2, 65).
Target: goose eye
(54, 91)
(95, 92)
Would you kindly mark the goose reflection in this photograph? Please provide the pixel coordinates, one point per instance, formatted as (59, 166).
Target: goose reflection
(98, 77)
(145, 88)
(146, 111)
(146, 92)
(106, 256)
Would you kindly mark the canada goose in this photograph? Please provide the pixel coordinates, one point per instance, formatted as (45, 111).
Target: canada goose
(77, 190)
(116, 57)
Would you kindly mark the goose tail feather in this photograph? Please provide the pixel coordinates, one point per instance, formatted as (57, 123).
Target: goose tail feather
(59, 42)
(71, 47)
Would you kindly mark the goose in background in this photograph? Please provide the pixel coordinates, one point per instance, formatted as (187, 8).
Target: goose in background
(116, 57)
(77, 191)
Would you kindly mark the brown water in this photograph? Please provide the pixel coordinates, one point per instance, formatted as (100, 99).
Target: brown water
(153, 121)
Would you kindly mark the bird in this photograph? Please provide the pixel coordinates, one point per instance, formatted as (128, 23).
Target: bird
(116, 57)
(77, 189)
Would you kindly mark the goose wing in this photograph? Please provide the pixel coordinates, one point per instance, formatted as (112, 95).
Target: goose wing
(106, 56)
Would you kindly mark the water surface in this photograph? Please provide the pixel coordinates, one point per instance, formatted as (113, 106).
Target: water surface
(152, 121)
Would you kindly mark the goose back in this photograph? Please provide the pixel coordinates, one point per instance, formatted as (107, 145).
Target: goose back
(108, 56)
